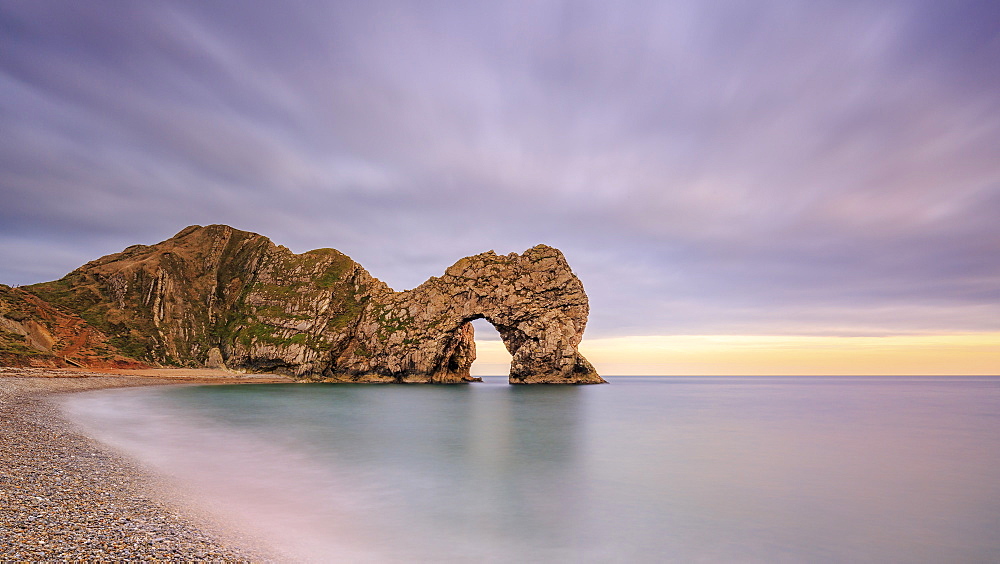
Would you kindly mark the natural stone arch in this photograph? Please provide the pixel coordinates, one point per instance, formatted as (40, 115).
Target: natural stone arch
(462, 355)
(534, 301)
(215, 291)
(533, 363)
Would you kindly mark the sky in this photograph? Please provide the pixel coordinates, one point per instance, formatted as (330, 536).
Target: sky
(824, 173)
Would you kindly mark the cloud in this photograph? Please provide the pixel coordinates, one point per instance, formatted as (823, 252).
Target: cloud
(706, 167)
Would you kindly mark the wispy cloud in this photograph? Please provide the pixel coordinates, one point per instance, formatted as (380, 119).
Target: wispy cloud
(706, 166)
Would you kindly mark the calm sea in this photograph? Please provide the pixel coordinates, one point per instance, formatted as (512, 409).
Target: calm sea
(647, 469)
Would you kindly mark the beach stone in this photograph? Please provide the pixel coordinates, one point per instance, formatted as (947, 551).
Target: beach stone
(215, 359)
(64, 497)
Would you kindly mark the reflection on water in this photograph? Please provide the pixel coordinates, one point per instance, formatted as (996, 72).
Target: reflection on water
(644, 470)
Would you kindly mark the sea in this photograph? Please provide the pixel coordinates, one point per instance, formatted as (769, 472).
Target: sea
(644, 469)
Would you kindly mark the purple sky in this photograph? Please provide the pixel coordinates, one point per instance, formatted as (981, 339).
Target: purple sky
(707, 167)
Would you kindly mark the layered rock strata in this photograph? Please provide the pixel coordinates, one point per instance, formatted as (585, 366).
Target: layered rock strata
(220, 296)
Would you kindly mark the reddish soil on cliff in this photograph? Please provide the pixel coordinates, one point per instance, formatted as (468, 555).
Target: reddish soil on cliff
(55, 338)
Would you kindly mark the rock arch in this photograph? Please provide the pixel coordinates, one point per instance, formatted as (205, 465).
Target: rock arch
(214, 291)
(534, 301)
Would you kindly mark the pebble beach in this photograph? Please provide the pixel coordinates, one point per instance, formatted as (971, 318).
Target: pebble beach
(64, 496)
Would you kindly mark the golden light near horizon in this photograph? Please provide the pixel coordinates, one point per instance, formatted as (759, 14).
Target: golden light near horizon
(779, 355)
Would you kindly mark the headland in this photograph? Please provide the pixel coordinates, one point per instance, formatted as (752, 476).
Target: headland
(216, 296)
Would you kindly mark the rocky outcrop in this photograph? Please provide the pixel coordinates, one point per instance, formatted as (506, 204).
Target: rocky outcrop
(216, 295)
(534, 300)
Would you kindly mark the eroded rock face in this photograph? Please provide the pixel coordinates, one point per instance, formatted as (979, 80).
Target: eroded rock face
(534, 300)
(34, 333)
(321, 316)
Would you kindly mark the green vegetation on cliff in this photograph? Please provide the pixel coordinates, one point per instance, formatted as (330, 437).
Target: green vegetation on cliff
(215, 289)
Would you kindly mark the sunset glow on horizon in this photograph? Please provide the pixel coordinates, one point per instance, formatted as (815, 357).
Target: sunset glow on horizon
(778, 355)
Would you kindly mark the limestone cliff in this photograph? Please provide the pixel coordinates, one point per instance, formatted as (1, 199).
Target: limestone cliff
(216, 294)
(535, 302)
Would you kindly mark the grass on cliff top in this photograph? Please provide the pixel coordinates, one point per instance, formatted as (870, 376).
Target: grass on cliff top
(76, 293)
(13, 305)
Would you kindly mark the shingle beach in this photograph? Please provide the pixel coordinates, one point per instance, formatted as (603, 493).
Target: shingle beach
(64, 496)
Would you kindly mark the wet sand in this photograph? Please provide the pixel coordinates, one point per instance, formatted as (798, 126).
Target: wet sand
(66, 496)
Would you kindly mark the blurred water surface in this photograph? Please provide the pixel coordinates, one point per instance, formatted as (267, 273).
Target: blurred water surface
(647, 469)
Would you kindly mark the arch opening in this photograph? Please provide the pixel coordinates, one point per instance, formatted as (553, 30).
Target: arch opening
(492, 358)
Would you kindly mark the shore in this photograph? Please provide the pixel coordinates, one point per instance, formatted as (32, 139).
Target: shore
(66, 496)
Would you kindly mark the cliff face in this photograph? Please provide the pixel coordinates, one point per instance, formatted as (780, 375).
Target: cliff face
(34, 333)
(216, 294)
(263, 306)
(535, 302)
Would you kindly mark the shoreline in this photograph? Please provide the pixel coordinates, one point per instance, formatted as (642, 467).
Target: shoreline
(64, 495)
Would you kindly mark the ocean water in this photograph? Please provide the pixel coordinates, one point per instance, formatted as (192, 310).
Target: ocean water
(646, 469)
